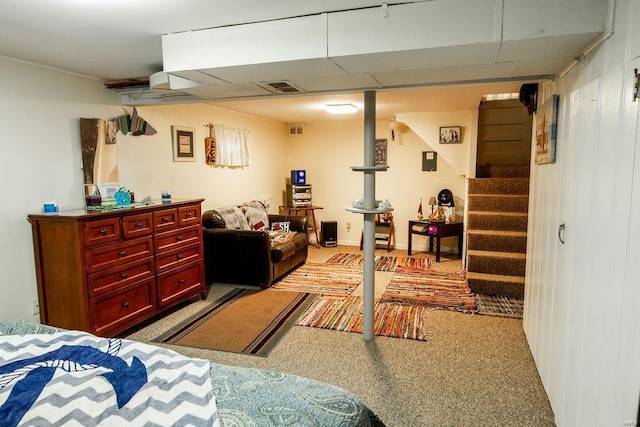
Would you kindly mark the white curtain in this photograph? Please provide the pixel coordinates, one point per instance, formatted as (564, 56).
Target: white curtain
(232, 147)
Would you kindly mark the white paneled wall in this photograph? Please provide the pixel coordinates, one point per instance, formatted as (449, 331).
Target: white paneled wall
(582, 304)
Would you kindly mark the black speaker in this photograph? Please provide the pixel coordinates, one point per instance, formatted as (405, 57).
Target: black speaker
(329, 232)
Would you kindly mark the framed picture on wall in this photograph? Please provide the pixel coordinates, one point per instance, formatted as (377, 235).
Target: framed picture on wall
(450, 135)
(381, 152)
(183, 144)
(546, 130)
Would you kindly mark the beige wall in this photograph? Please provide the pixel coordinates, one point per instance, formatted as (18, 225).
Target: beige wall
(328, 150)
(147, 167)
(41, 160)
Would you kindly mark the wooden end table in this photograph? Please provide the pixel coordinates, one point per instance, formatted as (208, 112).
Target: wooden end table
(437, 230)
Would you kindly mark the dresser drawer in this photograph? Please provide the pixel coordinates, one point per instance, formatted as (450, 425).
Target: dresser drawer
(176, 284)
(137, 225)
(188, 215)
(118, 277)
(117, 254)
(102, 231)
(166, 219)
(171, 240)
(185, 255)
(122, 308)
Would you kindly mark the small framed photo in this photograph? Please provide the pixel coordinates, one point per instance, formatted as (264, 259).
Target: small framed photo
(108, 189)
(450, 135)
(183, 144)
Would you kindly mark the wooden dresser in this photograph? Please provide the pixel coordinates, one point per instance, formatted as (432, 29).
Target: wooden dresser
(104, 272)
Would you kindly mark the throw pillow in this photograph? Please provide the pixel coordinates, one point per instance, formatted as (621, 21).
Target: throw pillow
(256, 214)
(281, 226)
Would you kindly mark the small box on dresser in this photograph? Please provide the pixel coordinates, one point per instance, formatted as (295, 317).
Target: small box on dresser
(104, 272)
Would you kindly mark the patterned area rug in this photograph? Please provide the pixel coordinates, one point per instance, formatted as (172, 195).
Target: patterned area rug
(382, 262)
(391, 320)
(500, 306)
(329, 280)
(430, 288)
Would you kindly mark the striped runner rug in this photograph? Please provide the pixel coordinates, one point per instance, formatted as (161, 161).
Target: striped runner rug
(430, 288)
(325, 279)
(247, 321)
(391, 320)
(382, 262)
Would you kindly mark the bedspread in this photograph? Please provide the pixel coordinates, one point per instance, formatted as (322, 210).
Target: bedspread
(73, 377)
(247, 397)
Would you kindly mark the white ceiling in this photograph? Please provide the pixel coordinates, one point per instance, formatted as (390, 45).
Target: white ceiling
(121, 39)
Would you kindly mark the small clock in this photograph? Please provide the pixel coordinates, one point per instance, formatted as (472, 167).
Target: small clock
(445, 198)
(122, 197)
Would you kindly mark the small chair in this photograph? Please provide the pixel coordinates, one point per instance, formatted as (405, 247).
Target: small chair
(384, 221)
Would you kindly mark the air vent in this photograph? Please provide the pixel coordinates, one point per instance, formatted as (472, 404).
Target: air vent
(283, 87)
(296, 130)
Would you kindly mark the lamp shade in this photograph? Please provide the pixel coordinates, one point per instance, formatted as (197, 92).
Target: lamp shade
(432, 201)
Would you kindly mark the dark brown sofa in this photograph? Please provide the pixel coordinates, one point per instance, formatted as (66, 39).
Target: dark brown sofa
(248, 257)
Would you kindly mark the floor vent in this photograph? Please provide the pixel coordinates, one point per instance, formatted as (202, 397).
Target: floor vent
(296, 130)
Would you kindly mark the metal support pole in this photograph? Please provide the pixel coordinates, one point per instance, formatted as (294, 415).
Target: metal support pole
(369, 218)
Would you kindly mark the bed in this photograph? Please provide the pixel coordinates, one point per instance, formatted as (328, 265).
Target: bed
(239, 396)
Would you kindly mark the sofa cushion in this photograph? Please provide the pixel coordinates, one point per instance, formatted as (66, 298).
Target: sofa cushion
(282, 251)
(257, 215)
(234, 218)
(300, 240)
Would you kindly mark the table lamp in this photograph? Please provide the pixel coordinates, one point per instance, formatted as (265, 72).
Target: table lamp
(432, 202)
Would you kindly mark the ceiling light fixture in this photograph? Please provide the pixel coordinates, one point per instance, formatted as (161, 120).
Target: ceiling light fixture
(341, 108)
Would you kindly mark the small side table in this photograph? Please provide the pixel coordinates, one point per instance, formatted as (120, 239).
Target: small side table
(437, 230)
(306, 209)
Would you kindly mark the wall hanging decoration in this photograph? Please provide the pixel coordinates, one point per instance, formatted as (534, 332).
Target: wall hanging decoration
(429, 161)
(210, 146)
(183, 146)
(134, 124)
(546, 131)
(450, 135)
(381, 152)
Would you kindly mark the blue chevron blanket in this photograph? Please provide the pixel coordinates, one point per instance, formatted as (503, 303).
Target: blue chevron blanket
(79, 379)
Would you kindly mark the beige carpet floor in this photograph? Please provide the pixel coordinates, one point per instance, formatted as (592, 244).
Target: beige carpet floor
(474, 370)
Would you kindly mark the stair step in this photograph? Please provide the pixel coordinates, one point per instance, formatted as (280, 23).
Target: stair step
(496, 284)
(498, 202)
(502, 263)
(497, 241)
(502, 171)
(499, 186)
(500, 221)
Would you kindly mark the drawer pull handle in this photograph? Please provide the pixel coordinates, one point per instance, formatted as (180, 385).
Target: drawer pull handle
(125, 304)
(124, 275)
(189, 214)
(122, 253)
(179, 238)
(165, 219)
(181, 281)
(139, 224)
(103, 231)
(180, 256)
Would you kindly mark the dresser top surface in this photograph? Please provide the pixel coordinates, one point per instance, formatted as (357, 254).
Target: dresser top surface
(133, 208)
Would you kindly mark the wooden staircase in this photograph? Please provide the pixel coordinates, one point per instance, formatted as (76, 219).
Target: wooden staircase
(497, 235)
